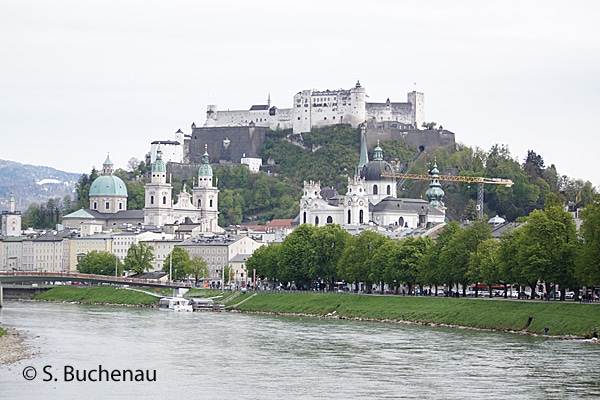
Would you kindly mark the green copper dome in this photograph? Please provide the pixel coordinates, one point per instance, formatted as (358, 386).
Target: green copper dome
(205, 169)
(107, 184)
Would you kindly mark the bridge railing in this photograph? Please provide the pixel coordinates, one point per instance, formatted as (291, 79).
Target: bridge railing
(76, 276)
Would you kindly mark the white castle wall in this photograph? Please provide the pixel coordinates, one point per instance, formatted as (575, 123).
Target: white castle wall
(312, 108)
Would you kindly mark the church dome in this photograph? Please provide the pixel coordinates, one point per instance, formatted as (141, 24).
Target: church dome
(108, 185)
(205, 169)
(373, 169)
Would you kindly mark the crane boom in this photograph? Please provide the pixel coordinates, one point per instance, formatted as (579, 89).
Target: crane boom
(453, 178)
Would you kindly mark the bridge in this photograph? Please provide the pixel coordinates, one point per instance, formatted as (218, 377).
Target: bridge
(32, 277)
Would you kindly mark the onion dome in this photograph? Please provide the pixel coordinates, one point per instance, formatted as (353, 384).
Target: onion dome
(205, 169)
(159, 165)
(435, 193)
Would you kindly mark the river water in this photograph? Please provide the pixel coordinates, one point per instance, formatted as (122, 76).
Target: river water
(238, 356)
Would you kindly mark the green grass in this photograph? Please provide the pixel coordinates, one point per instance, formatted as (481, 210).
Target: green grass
(97, 294)
(562, 318)
(202, 293)
(2, 332)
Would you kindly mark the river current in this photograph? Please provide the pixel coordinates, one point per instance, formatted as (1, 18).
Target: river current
(207, 355)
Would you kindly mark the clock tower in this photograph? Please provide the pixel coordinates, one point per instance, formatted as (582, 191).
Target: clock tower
(11, 219)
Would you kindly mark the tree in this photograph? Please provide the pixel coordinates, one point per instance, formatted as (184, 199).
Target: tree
(483, 264)
(588, 260)
(176, 267)
(100, 263)
(265, 261)
(328, 244)
(139, 257)
(296, 256)
(357, 263)
(196, 268)
(547, 247)
(429, 125)
(133, 164)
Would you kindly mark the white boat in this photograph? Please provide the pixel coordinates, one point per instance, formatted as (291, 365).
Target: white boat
(177, 304)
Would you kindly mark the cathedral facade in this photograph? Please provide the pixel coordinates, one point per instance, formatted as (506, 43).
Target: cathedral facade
(370, 201)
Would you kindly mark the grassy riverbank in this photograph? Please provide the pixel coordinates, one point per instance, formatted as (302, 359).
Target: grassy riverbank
(97, 294)
(562, 318)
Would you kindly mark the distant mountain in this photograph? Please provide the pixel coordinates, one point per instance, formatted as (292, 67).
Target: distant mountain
(33, 184)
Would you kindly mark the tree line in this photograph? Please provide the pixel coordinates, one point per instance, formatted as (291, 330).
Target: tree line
(545, 247)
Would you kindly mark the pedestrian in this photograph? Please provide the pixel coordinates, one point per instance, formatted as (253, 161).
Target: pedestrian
(546, 329)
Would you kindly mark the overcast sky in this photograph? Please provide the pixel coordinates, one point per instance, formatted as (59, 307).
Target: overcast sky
(82, 78)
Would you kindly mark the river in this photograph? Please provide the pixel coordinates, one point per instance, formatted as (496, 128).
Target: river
(239, 356)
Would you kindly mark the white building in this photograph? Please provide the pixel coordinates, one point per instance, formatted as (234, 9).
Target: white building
(316, 108)
(370, 201)
(172, 150)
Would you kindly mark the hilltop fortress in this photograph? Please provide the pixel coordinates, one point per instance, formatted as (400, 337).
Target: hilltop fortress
(236, 136)
(316, 109)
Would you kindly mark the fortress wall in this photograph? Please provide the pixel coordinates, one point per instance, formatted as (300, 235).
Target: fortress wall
(401, 112)
(429, 140)
(242, 139)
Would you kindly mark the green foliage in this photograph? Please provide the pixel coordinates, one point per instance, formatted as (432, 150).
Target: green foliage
(46, 215)
(82, 189)
(139, 257)
(180, 259)
(196, 268)
(588, 260)
(100, 263)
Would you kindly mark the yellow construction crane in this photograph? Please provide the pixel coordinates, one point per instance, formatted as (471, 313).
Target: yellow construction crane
(451, 178)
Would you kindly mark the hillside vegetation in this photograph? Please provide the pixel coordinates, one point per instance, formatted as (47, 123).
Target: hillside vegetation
(329, 155)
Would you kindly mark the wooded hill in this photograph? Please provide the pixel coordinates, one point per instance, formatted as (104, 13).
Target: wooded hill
(329, 155)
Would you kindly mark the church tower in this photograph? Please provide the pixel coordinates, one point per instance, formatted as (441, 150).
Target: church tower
(158, 202)
(11, 219)
(205, 196)
(356, 202)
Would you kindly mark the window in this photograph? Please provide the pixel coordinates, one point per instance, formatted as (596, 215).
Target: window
(164, 199)
(349, 216)
(304, 217)
(211, 202)
(120, 206)
(95, 206)
(375, 189)
(329, 219)
(389, 189)
(151, 199)
(317, 221)
(360, 218)
(107, 205)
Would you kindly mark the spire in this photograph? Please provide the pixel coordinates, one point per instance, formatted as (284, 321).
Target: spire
(11, 203)
(269, 100)
(435, 193)
(364, 155)
(107, 166)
